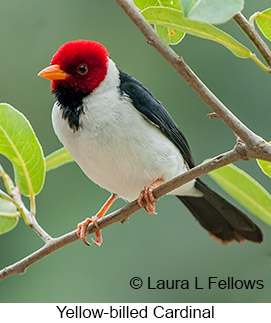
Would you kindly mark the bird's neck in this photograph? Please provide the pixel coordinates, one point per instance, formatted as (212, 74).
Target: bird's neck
(71, 103)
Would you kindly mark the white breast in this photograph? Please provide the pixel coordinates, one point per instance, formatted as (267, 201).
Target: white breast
(116, 147)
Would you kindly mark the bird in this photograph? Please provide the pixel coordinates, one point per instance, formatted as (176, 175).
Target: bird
(125, 141)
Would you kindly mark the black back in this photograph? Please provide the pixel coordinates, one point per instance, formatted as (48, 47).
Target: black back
(145, 102)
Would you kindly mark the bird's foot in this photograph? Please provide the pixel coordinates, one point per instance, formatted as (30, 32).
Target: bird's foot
(82, 226)
(146, 198)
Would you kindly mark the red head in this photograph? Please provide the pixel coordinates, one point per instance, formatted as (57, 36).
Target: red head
(80, 65)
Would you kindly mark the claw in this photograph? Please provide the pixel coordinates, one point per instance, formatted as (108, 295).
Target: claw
(81, 230)
(140, 199)
(146, 198)
(99, 238)
(94, 220)
(82, 226)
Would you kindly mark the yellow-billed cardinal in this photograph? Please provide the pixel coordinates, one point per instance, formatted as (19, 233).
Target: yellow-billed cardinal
(126, 142)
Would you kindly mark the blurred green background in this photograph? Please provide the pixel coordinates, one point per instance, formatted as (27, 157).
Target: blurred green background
(170, 245)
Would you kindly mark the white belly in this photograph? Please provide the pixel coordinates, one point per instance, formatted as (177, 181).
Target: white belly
(119, 150)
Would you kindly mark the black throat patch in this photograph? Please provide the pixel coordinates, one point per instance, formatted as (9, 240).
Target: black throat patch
(71, 104)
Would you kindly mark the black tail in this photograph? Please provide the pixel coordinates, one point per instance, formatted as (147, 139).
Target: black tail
(224, 221)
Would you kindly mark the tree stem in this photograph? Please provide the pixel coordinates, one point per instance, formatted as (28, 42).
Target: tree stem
(251, 32)
(122, 214)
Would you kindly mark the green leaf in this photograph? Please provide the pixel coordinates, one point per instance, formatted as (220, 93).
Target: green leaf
(4, 196)
(187, 5)
(20, 145)
(246, 190)
(169, 35)
(175, 19)
(8, 223)
(263, 20)
(143, 4)
(265, 166)
(9, 216)
(7, 208)
(212, 11)
(7, 180)
(58, 158)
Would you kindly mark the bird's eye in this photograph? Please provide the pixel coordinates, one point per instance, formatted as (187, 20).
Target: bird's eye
(82, 69)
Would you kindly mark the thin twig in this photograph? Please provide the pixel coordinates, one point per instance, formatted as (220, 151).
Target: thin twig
(251, 32)
(14, 196)
(124, 213)
(212, 115)
(33, 224)
(28, 216)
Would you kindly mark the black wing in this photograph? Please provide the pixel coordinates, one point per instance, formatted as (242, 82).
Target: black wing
(145, 102)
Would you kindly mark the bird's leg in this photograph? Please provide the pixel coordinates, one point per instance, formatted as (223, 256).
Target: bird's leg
(82, 226)
(147, 196)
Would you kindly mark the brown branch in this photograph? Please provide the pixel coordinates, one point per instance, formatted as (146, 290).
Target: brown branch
(251, 32)
(124, 213)
(242, 131)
